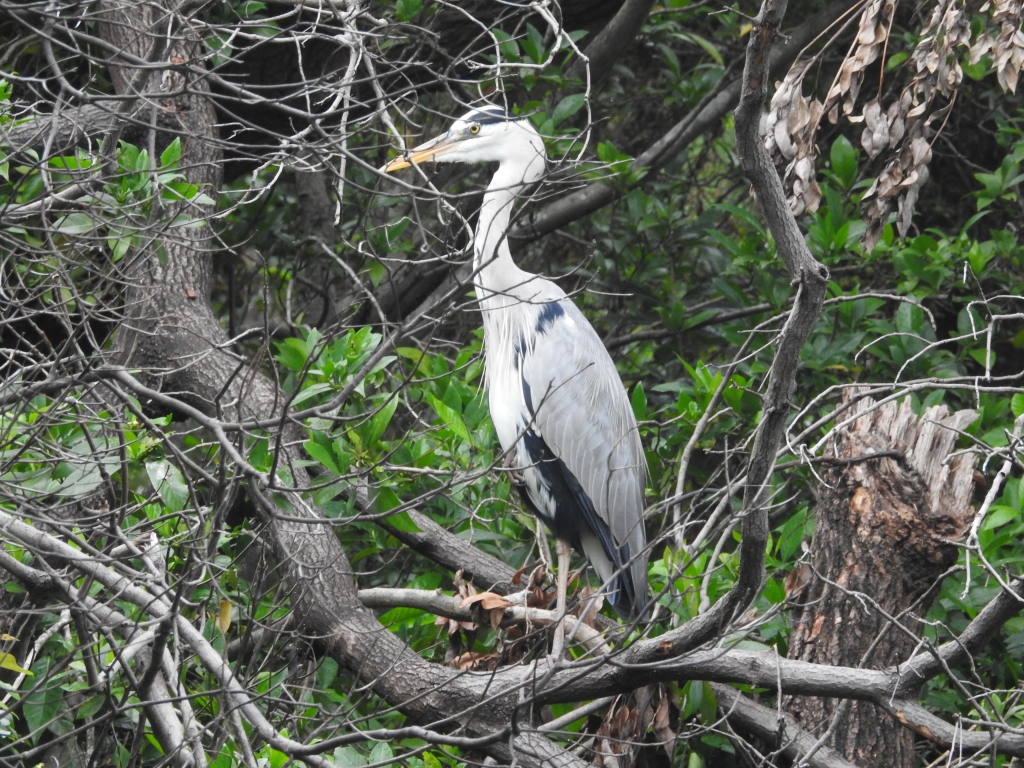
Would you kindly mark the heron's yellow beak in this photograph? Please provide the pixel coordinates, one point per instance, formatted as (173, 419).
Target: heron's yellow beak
(422, 154)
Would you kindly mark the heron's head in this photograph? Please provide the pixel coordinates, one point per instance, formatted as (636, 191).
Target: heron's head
(484, 135)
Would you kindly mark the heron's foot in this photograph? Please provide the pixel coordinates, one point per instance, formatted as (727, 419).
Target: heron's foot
(515, 474)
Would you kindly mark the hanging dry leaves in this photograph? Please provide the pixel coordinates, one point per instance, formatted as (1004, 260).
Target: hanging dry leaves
(1006, 46)
(797, 580)
(904, 126)
(623, 728)
(791, 125)
(662, 724)
(872, 34)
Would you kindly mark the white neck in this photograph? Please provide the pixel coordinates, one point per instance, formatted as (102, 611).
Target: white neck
(492, 259)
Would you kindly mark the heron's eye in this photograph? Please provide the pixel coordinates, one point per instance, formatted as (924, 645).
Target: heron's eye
(474, 129)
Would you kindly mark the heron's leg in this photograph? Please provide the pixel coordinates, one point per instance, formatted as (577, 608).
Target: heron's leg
(564, 553)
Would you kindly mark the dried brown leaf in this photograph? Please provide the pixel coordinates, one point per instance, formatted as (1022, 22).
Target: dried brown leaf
(797, 580)
(662, 726)
(496, 616)
(488, 601)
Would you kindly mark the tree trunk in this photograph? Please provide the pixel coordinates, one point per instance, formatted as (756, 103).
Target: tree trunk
(880, 548)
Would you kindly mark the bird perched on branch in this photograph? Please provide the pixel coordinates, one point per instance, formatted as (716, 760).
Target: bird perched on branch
(556, 400)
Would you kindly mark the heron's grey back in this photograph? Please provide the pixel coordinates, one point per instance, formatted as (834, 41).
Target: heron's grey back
(583, 414)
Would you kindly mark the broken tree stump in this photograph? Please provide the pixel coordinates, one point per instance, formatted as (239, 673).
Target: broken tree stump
(880, 547)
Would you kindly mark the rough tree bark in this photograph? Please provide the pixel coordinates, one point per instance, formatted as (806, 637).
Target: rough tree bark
(881, 546)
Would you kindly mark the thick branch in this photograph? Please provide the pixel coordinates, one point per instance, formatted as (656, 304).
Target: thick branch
(972, 640)
(437, 544)
(609, 45)
(774, 727)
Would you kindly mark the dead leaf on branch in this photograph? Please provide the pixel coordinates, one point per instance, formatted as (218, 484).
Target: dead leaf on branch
(493, 603)
(471, 661)
(465, 591)
(454, 625)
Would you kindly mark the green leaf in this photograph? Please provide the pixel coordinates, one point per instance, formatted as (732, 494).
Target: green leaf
(275, 759)
(639, 402)
(895, 60)
(791, 534)
(451, 419)
(76, 224)
(386, 499)
(381, 753)
(348, 757)
(568, 107)
(508, 47)
(312, 391)
(170, 156)
(533, 44)
(984, 357)
(250, 8)
(718, 741)
(403, 522)
(406, 10)
(608, 153)
(379, 421)
(168, 481)
(747, 217)
(708, 705)
(90, 707)
(326, 672)
(322, 454)
(706, 45)
(694, 698)
(142, 162)
(1017, 405)
(42, 706)
(119, 248)
(128, 155)
(844, 161)
(998, 515)
(291, 353)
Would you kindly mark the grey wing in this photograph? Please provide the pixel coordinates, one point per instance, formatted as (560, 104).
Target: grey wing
(582, 413)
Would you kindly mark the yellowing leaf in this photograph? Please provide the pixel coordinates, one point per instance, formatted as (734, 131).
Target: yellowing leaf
(7, 661)
(5, 636)
(223, 619)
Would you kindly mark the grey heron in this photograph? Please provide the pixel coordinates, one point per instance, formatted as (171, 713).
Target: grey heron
(557, 403)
